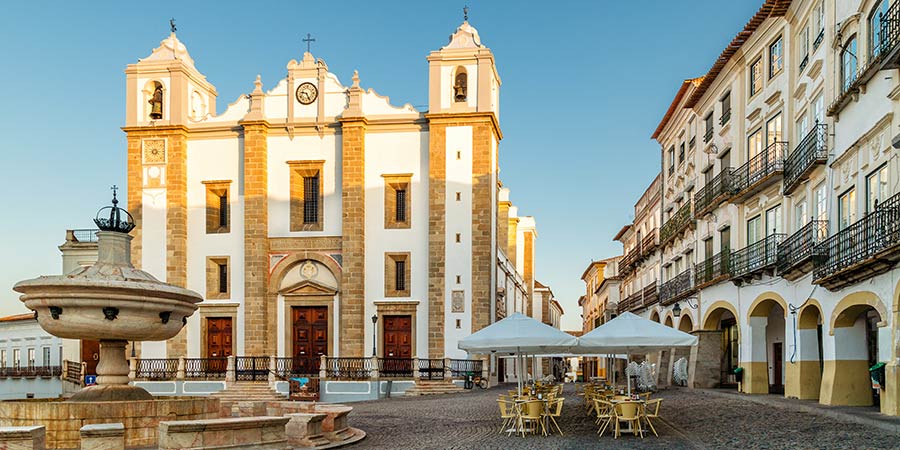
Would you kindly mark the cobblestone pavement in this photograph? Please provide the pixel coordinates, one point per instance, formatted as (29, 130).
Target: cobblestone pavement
(691, 419)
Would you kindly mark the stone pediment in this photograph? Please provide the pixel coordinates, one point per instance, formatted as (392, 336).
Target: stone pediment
(308, 287)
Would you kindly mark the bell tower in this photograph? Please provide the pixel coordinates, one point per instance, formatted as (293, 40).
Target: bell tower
(462, 75)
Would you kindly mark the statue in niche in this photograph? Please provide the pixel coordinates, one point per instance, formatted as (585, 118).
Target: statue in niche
(459, 88)
(156, 103)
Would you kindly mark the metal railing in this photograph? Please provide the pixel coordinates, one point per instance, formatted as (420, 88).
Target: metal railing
(868, 237)
(431, 369)
(156, 368)
(460, 368)
(395, 367)
(672, 289)
(708, 135)
(205, 368)
(30, 371)
(890, 30)
(801, 245)
(719, 188)
(85, 235)
(726, 116)
(757, 256)
(297, 366)
(713, 268)
(251, 368)
(768, 162)
(813, 149)
(348, 368)
(819, 38)
(803, 63)
(677, 223)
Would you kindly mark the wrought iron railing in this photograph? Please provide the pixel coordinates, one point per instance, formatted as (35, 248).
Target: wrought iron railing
(803, 63)
(672, 289)
(85, 235)
(819, 38)
(395, 367)
(726, 116)
(757, 256)
(801, 245)
(868, 237)
(431, 369)
(297, 366)
(713, 268)
(251, 368)
(890, 29)
(350, 368)
(30, 371)
(651, 294)
(72, 372)
(677, 223)
(156, 369)
(719, 188)
(768, 162)
(205, 368)
(708, 135)
(693, 142)
(813, 149)
(460, 368)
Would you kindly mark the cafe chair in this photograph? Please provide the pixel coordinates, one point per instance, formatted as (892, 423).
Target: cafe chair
(630, 413)
(645, 396)
(605, 415)
(509, 414)
(554, 410)
(651, 411)
(532, 413)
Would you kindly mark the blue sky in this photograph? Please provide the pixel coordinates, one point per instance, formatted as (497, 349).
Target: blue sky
(584, 86)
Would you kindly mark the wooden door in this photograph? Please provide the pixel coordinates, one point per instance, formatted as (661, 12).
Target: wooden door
(397, 341)
(90, 355)
(309, 337)
(219, 337)
(777, 362)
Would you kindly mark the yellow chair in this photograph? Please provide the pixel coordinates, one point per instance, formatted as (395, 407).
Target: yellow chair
(532, 412)
(509, 414)
(628, 412)
(651, 411)
(606, 413)
(645, 396)
(554, 410)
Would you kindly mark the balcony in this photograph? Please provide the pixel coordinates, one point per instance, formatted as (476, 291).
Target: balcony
(713, 270)
(869, 247)
(651, 294)
(629, 261)
(650, 242)
(719, 189)
(678, 222)
(760, 171)
(630, 303)
(679, 287)
(812, 151)
(797, 253)
(755, 259)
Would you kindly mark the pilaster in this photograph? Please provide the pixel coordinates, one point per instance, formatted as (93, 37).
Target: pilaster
(353, 201)
(256, 242)
(484, 194)
(437, 240)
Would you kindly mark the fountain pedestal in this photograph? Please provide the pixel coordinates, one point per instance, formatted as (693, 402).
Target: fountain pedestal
(112, 377)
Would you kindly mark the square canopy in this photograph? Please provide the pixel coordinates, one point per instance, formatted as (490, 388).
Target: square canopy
(630, 333)
(519, 333)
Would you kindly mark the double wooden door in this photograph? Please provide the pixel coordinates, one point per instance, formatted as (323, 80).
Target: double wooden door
(219, 337)
(309, 337)
(397, 342)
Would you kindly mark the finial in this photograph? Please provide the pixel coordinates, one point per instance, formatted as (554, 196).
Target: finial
(466, 13)
(355, 78)
(113, 218)
(258, 83)
(172, 25)
(115, 189)
(309, 40)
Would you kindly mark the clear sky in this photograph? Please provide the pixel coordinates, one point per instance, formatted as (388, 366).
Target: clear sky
(584, 85)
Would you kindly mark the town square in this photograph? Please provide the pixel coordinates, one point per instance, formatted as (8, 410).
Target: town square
(296, 225)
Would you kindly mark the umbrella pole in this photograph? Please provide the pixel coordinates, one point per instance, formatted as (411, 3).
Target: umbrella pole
(520, 367)
(627, 360)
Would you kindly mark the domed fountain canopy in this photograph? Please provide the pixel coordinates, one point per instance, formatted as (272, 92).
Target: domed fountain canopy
(113, 218)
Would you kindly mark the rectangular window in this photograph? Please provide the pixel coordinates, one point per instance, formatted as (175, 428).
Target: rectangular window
(819, 23)
(725, 239)
(754, 230)
(801, 214)
(46, 354)
(773, 221)
(819, 110)
(847, 209)
(218, 213)
(804, 43)
(756, 76)
(681, 153)
(725, 160)
(848, 64)
(708, 247)
(877, 18)
(776, 57)
(218, 278)
(708, 122)
(17, 358)
(671, 155)
(707, 175)
(306, 195)
(397, 201)
(802, 127)
(754, 144)
(876, 188)
(773, 130)
(726, 108)
(396, 275)
(31, 354)
(3, 358)
(821, 203)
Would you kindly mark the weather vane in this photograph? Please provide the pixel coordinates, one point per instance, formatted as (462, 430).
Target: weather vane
(172, 24)
(308, 39)
(466, 12)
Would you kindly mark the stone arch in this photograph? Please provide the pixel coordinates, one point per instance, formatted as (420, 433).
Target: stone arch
(686, 323)
(810, 315)
(291, 260)
(850, 307)
(670, 320)
(714, 313)
(763, 303)
(654, 315)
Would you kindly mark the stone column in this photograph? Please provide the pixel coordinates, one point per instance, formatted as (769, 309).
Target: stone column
(272, 368)
(374, 373)
(415, 369)
(484, 201)
(437, 239)
(179, 372)
(256, 234)
(323, 369)
(132, 368)
(229, 370)
(353, 200)
(448, 374)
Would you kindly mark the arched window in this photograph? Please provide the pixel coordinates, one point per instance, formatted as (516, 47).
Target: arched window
(876, 19)
(849, 64)
(460, 85)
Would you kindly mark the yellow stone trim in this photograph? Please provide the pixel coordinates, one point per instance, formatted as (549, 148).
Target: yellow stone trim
(686, 316)
(802, 322)
(846, 383)
(759, 302)
(721, 304)
(848, 309)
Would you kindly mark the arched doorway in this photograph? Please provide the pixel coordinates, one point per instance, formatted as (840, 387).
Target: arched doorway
(805, 366)
(764, 372)
(654, 316)
(722, 318)
(858, 326)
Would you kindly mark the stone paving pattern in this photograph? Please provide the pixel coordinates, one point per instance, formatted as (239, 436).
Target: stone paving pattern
(692, 419)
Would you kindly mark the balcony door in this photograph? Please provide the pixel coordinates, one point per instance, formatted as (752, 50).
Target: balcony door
(773, 221)
(754, 230)
(847, 209)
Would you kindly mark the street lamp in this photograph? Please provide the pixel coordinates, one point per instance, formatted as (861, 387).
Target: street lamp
(374, 334)
(676, 310)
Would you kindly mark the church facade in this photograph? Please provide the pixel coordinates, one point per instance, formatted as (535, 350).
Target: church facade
(320, 219)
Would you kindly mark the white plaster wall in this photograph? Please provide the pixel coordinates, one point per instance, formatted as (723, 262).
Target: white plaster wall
(458, 256)
(448, 78)
(208, 160)
(282, 149)
(23, 335)
(398, 153)
(153, 251)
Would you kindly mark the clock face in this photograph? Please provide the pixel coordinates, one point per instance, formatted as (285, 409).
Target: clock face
(307, 93)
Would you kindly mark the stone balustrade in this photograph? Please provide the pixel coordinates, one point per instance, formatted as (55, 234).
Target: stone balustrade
(258, 433)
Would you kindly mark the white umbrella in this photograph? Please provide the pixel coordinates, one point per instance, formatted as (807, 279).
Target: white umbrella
(518, 334)
(629, 333)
